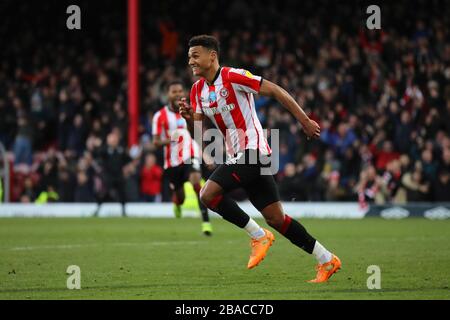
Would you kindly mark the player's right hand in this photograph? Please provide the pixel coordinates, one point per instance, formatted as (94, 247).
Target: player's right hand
(311, 129)
(185, 109)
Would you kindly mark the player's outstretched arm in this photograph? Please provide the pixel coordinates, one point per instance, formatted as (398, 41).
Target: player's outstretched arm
(270, 89)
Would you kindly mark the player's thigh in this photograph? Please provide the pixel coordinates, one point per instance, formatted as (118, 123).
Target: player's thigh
(263, 192)
(176, 176)
(225, 177)
(194, 171)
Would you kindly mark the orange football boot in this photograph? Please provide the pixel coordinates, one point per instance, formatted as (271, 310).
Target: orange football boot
(260, 248)
(326, 270)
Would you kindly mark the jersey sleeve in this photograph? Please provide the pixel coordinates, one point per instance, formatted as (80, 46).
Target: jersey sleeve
(195, 104)
(244, 80)
(156, 124)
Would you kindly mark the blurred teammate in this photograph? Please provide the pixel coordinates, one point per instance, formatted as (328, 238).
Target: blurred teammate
(225, 96)
(181, 153)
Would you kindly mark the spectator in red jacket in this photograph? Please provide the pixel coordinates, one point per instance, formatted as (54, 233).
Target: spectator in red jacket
(386, 155)
(151, 177)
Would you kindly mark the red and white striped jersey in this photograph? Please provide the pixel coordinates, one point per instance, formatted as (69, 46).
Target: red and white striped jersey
(230, 105)
(171, 125)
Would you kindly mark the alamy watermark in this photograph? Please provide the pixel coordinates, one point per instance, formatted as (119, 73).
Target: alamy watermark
(73, 22)
(233, 144)
(374, 20)
(374, 280)
(74, 280)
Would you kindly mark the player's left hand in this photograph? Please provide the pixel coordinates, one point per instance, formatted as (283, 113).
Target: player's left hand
(185, 109)
(311, 129)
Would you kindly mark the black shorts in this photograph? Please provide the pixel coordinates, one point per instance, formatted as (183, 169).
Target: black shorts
(261, 189)
(180, 174)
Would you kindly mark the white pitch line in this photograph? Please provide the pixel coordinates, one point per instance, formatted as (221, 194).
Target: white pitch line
(73, 246)
(64, 246)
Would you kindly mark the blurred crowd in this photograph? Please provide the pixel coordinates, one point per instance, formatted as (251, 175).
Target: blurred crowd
(381, 97)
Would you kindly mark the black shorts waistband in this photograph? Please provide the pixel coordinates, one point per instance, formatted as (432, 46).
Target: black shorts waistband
(250, 157)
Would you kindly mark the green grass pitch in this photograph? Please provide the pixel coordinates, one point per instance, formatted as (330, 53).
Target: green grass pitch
(133, 258)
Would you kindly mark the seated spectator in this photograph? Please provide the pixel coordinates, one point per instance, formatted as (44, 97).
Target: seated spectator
(414, 185)
(290, 187)
(385, 155)
(309, 176)
(65, 185)
(77, 136)
(368, 187)
(23, 146)
(441, 187)
(350, 168)
(131, 178)
(28, 194)
(151, 179)
(84, 190)
(429, 166)
(391, 181)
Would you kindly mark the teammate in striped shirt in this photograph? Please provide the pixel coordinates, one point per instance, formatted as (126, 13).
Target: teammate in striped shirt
(225, 96)
(181, 152)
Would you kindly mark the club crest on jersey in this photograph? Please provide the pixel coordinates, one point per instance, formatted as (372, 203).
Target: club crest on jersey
(224, 93)
(212, 97)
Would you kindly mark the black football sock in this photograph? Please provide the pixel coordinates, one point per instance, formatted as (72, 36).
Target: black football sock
(203, 208)
(229, 210)
(297, 234)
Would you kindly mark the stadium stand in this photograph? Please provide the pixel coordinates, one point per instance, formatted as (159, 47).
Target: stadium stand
(382, 98)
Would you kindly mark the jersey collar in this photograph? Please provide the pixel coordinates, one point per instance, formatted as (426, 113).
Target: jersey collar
(169, 109)
(215, 77)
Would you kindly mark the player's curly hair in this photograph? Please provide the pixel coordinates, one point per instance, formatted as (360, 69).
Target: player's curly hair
(206, 41)
(174, 82)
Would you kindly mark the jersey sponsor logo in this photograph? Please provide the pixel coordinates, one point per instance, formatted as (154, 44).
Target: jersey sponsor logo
(217, 110)
(212, 97)
(224, 93)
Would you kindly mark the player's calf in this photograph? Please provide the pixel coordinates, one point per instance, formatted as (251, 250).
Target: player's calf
(212, 196)
(295, 232)
(275, 221)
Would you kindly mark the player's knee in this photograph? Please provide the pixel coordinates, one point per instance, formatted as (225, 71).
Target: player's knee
(178, 197)
(205, 196)
(275, 221)
(209, 198)
(197, 187)
(195, 178)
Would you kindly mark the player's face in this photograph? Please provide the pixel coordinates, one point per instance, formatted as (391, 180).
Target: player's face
(200, 60)
(176, 92)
